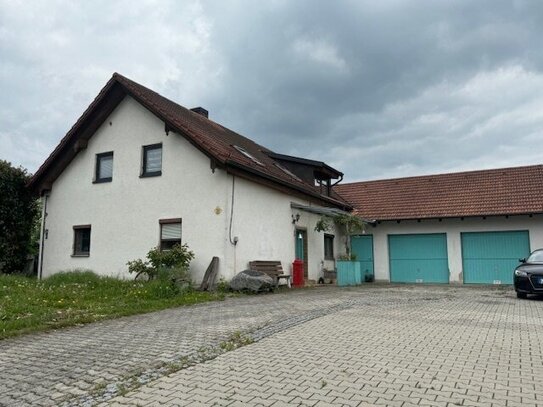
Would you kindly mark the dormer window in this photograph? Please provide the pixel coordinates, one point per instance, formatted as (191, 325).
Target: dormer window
(248, 155)
(324, 185)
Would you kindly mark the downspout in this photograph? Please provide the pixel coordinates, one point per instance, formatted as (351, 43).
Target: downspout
(42, 234)
(234, 240)
(338, 181)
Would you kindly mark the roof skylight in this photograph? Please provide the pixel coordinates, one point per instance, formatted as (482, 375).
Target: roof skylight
(248, 155)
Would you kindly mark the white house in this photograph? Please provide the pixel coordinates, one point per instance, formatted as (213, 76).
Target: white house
(138, 171)
(467, 227)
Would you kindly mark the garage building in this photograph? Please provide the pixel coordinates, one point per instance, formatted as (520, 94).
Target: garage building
(468, 227)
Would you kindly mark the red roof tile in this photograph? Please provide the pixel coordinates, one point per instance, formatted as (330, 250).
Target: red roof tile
(505, 191)
(211, 138)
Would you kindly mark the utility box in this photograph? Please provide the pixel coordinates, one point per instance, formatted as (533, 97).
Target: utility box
(298, 273)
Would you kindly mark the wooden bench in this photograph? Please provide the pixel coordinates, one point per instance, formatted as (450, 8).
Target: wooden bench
(272, 269)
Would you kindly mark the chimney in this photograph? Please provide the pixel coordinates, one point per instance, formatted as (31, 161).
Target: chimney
(200, 110)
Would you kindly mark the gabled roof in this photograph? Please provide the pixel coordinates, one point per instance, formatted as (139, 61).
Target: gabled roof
(212, 139)
(505, 191)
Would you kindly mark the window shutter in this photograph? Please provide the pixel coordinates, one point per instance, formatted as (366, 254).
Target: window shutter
(106, 167)
(171, 231)
(154, 160)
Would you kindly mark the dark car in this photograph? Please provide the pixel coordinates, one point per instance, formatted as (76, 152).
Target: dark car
(528, 276)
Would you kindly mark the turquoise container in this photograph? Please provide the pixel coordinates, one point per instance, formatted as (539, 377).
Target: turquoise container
(348, 273)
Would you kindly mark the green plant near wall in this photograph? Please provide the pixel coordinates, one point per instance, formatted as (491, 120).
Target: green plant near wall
(172, 264)
(351, 224)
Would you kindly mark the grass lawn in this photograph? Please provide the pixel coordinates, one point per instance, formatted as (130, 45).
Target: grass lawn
(65, 299)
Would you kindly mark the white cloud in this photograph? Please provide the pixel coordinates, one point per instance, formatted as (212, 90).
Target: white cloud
(320, 51)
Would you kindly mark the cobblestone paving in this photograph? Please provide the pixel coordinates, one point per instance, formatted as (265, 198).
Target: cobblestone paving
(47, 368)
(373, 345)
(406, 346)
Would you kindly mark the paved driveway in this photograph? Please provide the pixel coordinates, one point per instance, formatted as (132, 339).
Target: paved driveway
(374, 345)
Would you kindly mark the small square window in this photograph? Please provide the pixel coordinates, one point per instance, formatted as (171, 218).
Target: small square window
(152, 161)
(82, 235)
(329, 247)
(104, 167)
(170, 233)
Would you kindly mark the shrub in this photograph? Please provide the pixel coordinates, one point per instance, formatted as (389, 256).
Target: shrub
(140, 267)
(18, 211)
(178, 256)
(170, 265)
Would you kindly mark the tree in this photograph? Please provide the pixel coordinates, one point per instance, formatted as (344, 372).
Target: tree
(18, 215)
(350, 223)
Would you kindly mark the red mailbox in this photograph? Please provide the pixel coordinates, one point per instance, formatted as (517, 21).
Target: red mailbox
(298, 273)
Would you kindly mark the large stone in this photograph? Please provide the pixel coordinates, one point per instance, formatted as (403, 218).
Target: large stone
(252, 280)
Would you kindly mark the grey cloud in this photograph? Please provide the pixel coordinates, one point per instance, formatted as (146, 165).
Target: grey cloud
(376, 88)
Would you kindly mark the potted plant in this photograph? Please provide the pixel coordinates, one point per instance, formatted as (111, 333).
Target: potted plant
(348, 269)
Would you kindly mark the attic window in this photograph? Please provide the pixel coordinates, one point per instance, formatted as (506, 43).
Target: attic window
(104, 167)
(288, 172)
(248, 155)
(152, 160)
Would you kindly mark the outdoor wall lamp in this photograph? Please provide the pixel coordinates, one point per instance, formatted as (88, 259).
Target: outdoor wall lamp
(295, 218)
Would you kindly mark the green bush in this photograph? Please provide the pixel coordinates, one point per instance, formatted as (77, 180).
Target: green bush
(172, 265)
(18, 213)
(178, 256)
(139, 266)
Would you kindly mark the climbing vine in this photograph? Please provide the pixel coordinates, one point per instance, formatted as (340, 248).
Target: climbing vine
(351, 224)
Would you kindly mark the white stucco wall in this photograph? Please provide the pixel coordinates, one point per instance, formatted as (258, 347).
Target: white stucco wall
(124, 214)
(263, 224)
(453, 228)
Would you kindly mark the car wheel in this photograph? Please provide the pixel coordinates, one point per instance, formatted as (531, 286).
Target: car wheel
(522, 295)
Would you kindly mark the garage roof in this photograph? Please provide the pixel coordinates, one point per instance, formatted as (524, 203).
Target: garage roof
(504, 191)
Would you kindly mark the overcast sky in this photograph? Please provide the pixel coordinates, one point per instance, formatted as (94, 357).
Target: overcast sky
(377, 89)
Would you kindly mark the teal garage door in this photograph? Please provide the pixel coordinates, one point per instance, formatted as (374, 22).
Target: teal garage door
(362, 247)
(420, 258)
(491, 257)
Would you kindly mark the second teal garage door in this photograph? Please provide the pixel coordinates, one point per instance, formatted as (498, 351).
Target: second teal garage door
(420, 258)
(491, 257)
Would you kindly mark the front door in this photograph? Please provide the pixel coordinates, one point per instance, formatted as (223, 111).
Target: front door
(301, 249)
